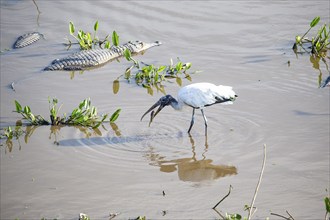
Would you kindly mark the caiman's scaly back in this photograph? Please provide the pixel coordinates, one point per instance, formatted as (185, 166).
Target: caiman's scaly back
(96, 57)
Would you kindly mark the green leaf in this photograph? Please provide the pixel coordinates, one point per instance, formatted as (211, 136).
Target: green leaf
(80, 35)
(71, 28)
(27, 110)
(161, 69)
(107, 44)
(18, 106)
(115, 38)
(178, 66)
(327, 204)
(96, 26)
(156, 77)
(127, 54)
(314, 21)
(82, 104)
(115, 115)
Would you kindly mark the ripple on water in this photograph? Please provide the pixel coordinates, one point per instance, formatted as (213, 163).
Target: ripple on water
(166, 144)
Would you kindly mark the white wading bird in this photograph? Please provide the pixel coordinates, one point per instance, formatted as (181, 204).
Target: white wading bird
(197, 96)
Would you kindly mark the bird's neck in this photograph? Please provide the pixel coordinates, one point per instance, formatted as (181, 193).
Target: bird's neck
(175, 104)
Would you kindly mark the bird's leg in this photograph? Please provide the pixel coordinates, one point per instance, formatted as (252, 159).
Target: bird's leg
(192, 120)
(205, 120)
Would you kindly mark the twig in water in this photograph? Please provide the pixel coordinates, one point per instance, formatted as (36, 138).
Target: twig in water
(259, 181)
(230, 187)
(289, 214)
(290, 218)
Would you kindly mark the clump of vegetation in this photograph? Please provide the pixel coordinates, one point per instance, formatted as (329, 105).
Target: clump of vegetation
(149, 75)
(84, 115)
(327, 207)
(318, 44)
(88, 41)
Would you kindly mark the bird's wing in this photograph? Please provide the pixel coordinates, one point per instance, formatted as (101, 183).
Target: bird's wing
(205, 94)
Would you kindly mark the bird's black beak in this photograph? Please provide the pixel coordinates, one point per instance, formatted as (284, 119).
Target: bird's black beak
(153, 114)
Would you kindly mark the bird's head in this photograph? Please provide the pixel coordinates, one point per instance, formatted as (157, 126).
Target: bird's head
(162, 102)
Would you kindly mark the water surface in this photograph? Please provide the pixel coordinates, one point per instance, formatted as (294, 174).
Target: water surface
(127, 167)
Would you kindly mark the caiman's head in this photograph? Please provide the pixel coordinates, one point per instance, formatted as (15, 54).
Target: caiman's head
(139, 46)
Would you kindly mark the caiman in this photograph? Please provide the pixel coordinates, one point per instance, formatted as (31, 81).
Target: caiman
(86, 59)
(27, 39)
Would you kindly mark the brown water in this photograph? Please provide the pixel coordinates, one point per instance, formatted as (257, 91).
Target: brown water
(245, 44)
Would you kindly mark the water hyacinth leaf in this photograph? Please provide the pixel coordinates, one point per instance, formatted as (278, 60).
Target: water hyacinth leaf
(156, 77)
(115, 86)
(127, 54)
(161, 69)
(115, 115)
(115, 38)
(18, 106)
(315, 21)
(100, 122)
(96, 26)
(178, 66)
(107, 44)
(27, 110)
(94, 111)
(327, 204)
(80, 35)
(71, 28)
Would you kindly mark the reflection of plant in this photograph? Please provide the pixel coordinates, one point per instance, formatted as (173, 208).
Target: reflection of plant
(319, 43)
(9, 134)
(84, 115)
(87, 42)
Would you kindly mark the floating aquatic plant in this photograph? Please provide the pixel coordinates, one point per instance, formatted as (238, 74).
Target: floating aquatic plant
(149, 75)
(84, 115)
(87, 42)
(317, 47)
(318, 44)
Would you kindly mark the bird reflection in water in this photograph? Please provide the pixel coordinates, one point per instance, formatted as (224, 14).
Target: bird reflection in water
(191, 169)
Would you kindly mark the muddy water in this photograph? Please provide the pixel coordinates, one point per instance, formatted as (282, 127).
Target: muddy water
(60, 172)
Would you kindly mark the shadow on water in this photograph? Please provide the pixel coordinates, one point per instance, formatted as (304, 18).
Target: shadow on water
(17, 133)
(302, 113)
(190, 169)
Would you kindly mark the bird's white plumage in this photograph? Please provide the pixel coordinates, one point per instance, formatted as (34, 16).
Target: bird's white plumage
(198, 95)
